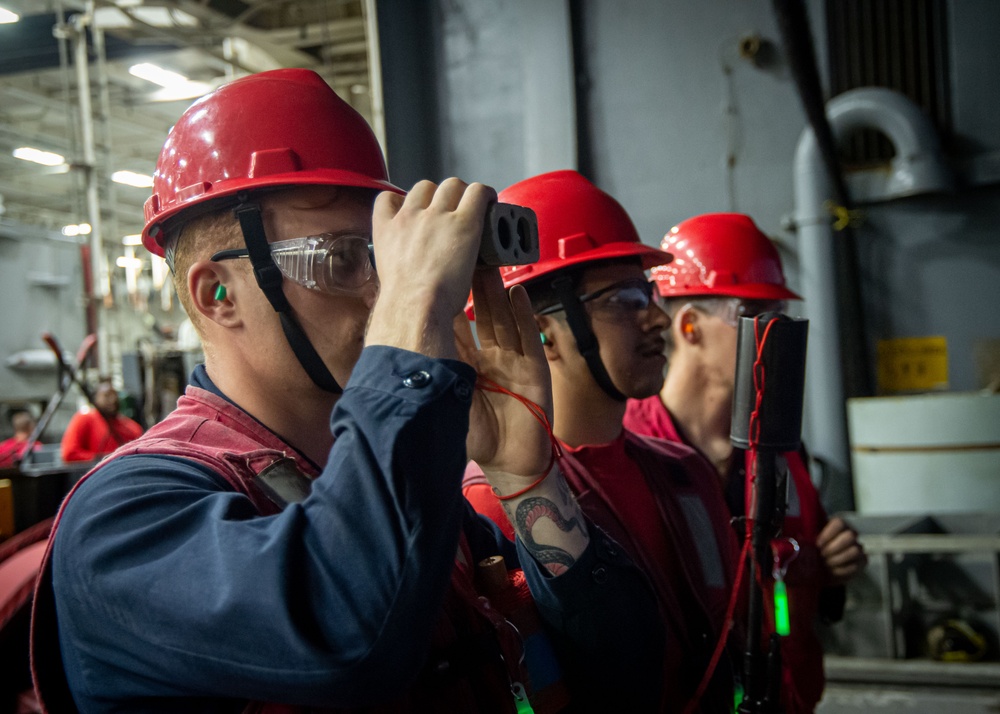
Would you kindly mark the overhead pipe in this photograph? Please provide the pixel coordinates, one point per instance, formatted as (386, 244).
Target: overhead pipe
(917, 167)
(95, 288)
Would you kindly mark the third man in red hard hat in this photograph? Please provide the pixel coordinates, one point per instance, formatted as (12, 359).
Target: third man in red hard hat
(725, 268)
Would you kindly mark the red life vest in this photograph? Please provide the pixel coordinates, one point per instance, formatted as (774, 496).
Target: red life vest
(211, 431)
(802, 653)
(693, 512)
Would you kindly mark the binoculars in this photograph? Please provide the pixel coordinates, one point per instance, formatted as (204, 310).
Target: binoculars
(510, 236)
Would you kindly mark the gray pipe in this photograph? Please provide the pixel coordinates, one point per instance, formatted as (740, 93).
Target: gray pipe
(916, 168)
(89, 166)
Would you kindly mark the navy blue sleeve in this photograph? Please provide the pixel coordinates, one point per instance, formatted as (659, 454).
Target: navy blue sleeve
(168, 583)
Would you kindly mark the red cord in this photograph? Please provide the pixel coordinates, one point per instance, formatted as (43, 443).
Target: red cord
(524, 490)
(759, 382)
(754, 437)
(721, 644)
(488, 385)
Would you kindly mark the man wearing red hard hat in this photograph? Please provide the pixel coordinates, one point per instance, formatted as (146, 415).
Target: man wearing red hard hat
(293, 537)
(603, 331)
(725, 268)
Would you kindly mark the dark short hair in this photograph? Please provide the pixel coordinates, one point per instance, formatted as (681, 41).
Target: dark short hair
(13, 412)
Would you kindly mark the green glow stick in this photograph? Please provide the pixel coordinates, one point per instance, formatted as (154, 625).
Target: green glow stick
(781, 624)
(523, 706)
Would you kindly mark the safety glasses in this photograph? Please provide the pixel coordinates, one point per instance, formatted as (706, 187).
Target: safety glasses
(730, 310)
(621, 298)
(331, 263)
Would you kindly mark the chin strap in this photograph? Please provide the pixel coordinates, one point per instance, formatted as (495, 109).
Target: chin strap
(586, 340)
(270, 280)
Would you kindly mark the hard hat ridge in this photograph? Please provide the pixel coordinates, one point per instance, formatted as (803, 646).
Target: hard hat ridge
(722, 254)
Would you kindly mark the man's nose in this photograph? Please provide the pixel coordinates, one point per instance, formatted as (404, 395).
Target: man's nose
(657, 317)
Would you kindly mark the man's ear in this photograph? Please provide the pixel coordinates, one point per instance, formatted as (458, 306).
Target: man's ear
(213, 292)
(547, 328)
(688, 328)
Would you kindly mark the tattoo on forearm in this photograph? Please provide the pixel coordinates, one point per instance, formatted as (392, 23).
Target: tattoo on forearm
(529, 512)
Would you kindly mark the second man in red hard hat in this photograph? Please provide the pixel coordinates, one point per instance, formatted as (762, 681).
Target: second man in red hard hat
(603, 332)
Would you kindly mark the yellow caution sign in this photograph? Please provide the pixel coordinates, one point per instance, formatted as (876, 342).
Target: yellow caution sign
(912, 364)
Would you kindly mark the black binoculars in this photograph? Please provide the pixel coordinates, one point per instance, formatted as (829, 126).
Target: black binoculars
(510, 236)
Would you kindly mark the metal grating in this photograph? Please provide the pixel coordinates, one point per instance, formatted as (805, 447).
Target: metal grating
(899, 44)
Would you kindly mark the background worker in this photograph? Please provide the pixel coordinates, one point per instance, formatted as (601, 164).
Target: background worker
(726, 268)
(603, 333)
(293, 535)
(12, 449)
(99, 431)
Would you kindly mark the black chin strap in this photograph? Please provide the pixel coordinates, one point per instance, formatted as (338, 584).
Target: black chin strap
(586, 340)
(269, 279)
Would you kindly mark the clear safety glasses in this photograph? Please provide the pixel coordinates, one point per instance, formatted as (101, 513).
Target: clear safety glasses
(730, 310)
(621, 298)
(331, 263)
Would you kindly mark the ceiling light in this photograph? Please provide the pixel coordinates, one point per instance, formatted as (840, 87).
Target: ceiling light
(131, 178)
(130, 263)
(78, 229)
(182, 92)
(157, 75)
(134, 239)
(7, 17)
(112, 18)
(45, 158)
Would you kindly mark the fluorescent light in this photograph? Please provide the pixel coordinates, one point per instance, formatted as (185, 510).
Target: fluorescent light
(129, 263)
(45, 158)
(78, 229)
(157, 75)
(131, 178)
(7, 17)
(188, 90)
(160, 273)
(134, 239)
(111, 18)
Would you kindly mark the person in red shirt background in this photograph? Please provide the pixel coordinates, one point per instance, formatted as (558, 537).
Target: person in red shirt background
(726, 268)
(12, 449)
(97, 432)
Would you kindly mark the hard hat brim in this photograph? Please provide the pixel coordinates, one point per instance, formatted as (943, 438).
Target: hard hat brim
(747, 291)
(649, 257)
(213, 198)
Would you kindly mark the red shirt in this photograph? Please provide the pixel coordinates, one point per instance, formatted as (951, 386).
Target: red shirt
(12, 450)
(623, 482)
(660, 502)
(88, 435)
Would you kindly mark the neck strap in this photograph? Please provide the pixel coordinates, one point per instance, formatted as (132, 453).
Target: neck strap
(270, 280)
(586, 340)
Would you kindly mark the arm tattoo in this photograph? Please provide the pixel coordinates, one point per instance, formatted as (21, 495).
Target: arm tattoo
(529, 512)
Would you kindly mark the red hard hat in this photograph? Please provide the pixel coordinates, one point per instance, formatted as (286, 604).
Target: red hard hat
(722, 254)
(279, 128)
(577, 223)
